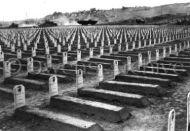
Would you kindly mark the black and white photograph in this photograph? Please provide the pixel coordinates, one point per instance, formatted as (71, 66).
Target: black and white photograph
(95, 65)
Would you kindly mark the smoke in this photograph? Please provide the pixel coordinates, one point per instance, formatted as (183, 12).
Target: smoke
(63, 20)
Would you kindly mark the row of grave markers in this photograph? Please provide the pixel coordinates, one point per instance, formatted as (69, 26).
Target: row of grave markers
(102, 43)
(7, 69)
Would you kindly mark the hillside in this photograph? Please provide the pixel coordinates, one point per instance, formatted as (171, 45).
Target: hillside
(175, 11)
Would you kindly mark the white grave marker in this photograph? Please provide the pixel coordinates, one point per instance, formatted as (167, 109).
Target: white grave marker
(115, 67)
(188, 111)
(33, 52)
(78, 55)
(149, 57)
(157, 55)
(12, 47)
(101, 50)
(19, 54)
(100, 73)
(95, 44)
(164, 52)
(47, 50)
(19, 96)
(2, 56)
(24, 47)
(65, 58)
(133, 45)
(79, 78)
(110, 49)
(129, 68)
(91, 52)
(69, 47)
(30, 65)
(49, 61)
(140, 44)
(59, 48)
(119, 47)
(171, 120)
(139, 60)
(170, 50)
(126, 47)
(6, 69)
(53, 86)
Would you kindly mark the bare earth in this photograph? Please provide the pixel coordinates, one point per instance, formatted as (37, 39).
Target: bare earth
(152, 118)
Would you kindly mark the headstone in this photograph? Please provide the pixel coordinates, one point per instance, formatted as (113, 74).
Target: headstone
(33, 52)
(12, 47)
(95, 44)
(184, 45)
(154, 41)
(164, 52)
(79, 78)
(19, 54)
(126, 47)
(176, 50)
(159, 41)
(129, 67)
(8, 44)
(170, 50)
(144, 42)
(139, 44)
(157, 55)
(25, 47)
(87, 45)
(59, 48)
(2, 56)
(188, 111)
(149, 57)
(30, 64)
(78, 55)
(139, 60)
(18, 43)
(171, 120)
(6, 69)
(100, 73)
(115, 41)
(69, 47)
(78, 46)
(35, 46)
(19, 96)
(102, 43)
(28, 42)
(65, 58)
(53, 86)
(101, 50)
(188, 44)
(49, 61)
(110, 49)
(180, 46)
(150, 42)
(91, 52)
(133, 45)
(119, 47)
(63, 43)
(115, 67)
(47, 50)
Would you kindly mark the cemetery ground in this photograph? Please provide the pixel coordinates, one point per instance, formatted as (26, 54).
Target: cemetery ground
(112, 78)
(151, 118)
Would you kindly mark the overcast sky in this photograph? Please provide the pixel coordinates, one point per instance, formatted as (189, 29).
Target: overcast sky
(22, 9)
